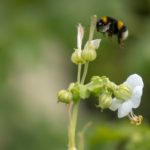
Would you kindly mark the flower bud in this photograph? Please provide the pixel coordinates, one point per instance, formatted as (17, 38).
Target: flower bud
(105, 79)
(89, 55)
(111, 86)
(89, 52)
(105, 100)
(96, 79)
(77, 57)
(95, 88)
(75, 90)
(64, 96)
(71, 86)
(123, 92)
(96, 85)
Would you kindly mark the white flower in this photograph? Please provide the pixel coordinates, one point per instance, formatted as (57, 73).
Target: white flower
(93, 44)
(89, 52)
(135, 84)
(77, 54)
(80, 35)
(80, 56)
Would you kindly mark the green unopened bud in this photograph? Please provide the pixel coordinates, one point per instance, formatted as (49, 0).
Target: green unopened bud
(123, 92)
(96, 86)
(96, 79)
(89, 55)
(64, 96)
(105, 79)
(75, 90)
(105, 100)
(111, 86)
(71, 86)
(77, 57)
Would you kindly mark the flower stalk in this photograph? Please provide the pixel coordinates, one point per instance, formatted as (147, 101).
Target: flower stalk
(123, 98)
(74, 114)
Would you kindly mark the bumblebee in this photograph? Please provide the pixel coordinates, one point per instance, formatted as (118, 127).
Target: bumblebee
(112, 27)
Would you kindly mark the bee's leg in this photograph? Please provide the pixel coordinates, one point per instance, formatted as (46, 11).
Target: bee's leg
(104, 34)
(121, 43)
(110, 34)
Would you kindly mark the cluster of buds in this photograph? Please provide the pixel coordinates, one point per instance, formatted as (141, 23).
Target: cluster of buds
(74, 93)
(88, 53)
(123, 97)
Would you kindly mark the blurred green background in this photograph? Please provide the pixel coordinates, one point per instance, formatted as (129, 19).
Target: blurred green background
(37, 38)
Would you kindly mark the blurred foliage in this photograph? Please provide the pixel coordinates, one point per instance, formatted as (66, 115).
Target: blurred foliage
(25, 25)
(119, 137)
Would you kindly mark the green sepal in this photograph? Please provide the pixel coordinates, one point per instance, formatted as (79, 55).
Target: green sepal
(95, 89)
(95, 86)
(96, 79)
(84, 92)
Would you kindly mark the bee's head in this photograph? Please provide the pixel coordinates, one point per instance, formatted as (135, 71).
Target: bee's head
(102, 24)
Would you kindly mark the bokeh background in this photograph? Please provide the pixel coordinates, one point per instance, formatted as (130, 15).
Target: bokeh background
(37, 38)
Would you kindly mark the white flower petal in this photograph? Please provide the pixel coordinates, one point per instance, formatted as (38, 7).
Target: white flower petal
(115, 104)
(134, 80)
(95, 43)
(136, 98)
(80, 34)
(124, 109)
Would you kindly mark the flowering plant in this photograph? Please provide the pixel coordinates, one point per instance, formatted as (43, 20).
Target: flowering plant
(123, 97)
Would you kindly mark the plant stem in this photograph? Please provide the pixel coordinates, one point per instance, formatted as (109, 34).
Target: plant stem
(73, 117)
(72, 127)
(91, 34)
(92, 27)
(74, 113)
(81, 136)
(85, 72)
(79, 73)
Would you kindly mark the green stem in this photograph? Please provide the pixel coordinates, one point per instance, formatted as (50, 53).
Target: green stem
(81, 136)
(73, 117)
(74, 113)
(72, 127)
(79, 73)
(91, 34)
(85, 72)
(92, 27)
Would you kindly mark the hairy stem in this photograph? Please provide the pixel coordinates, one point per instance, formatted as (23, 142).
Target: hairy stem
(73, 118)
(91, 34)
(92, 27)
(72, 127)
(81, 136)
(79, 73)
(85, 72)
(74, 112)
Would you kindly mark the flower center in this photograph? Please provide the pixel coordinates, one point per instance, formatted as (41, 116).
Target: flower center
(137, 120)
